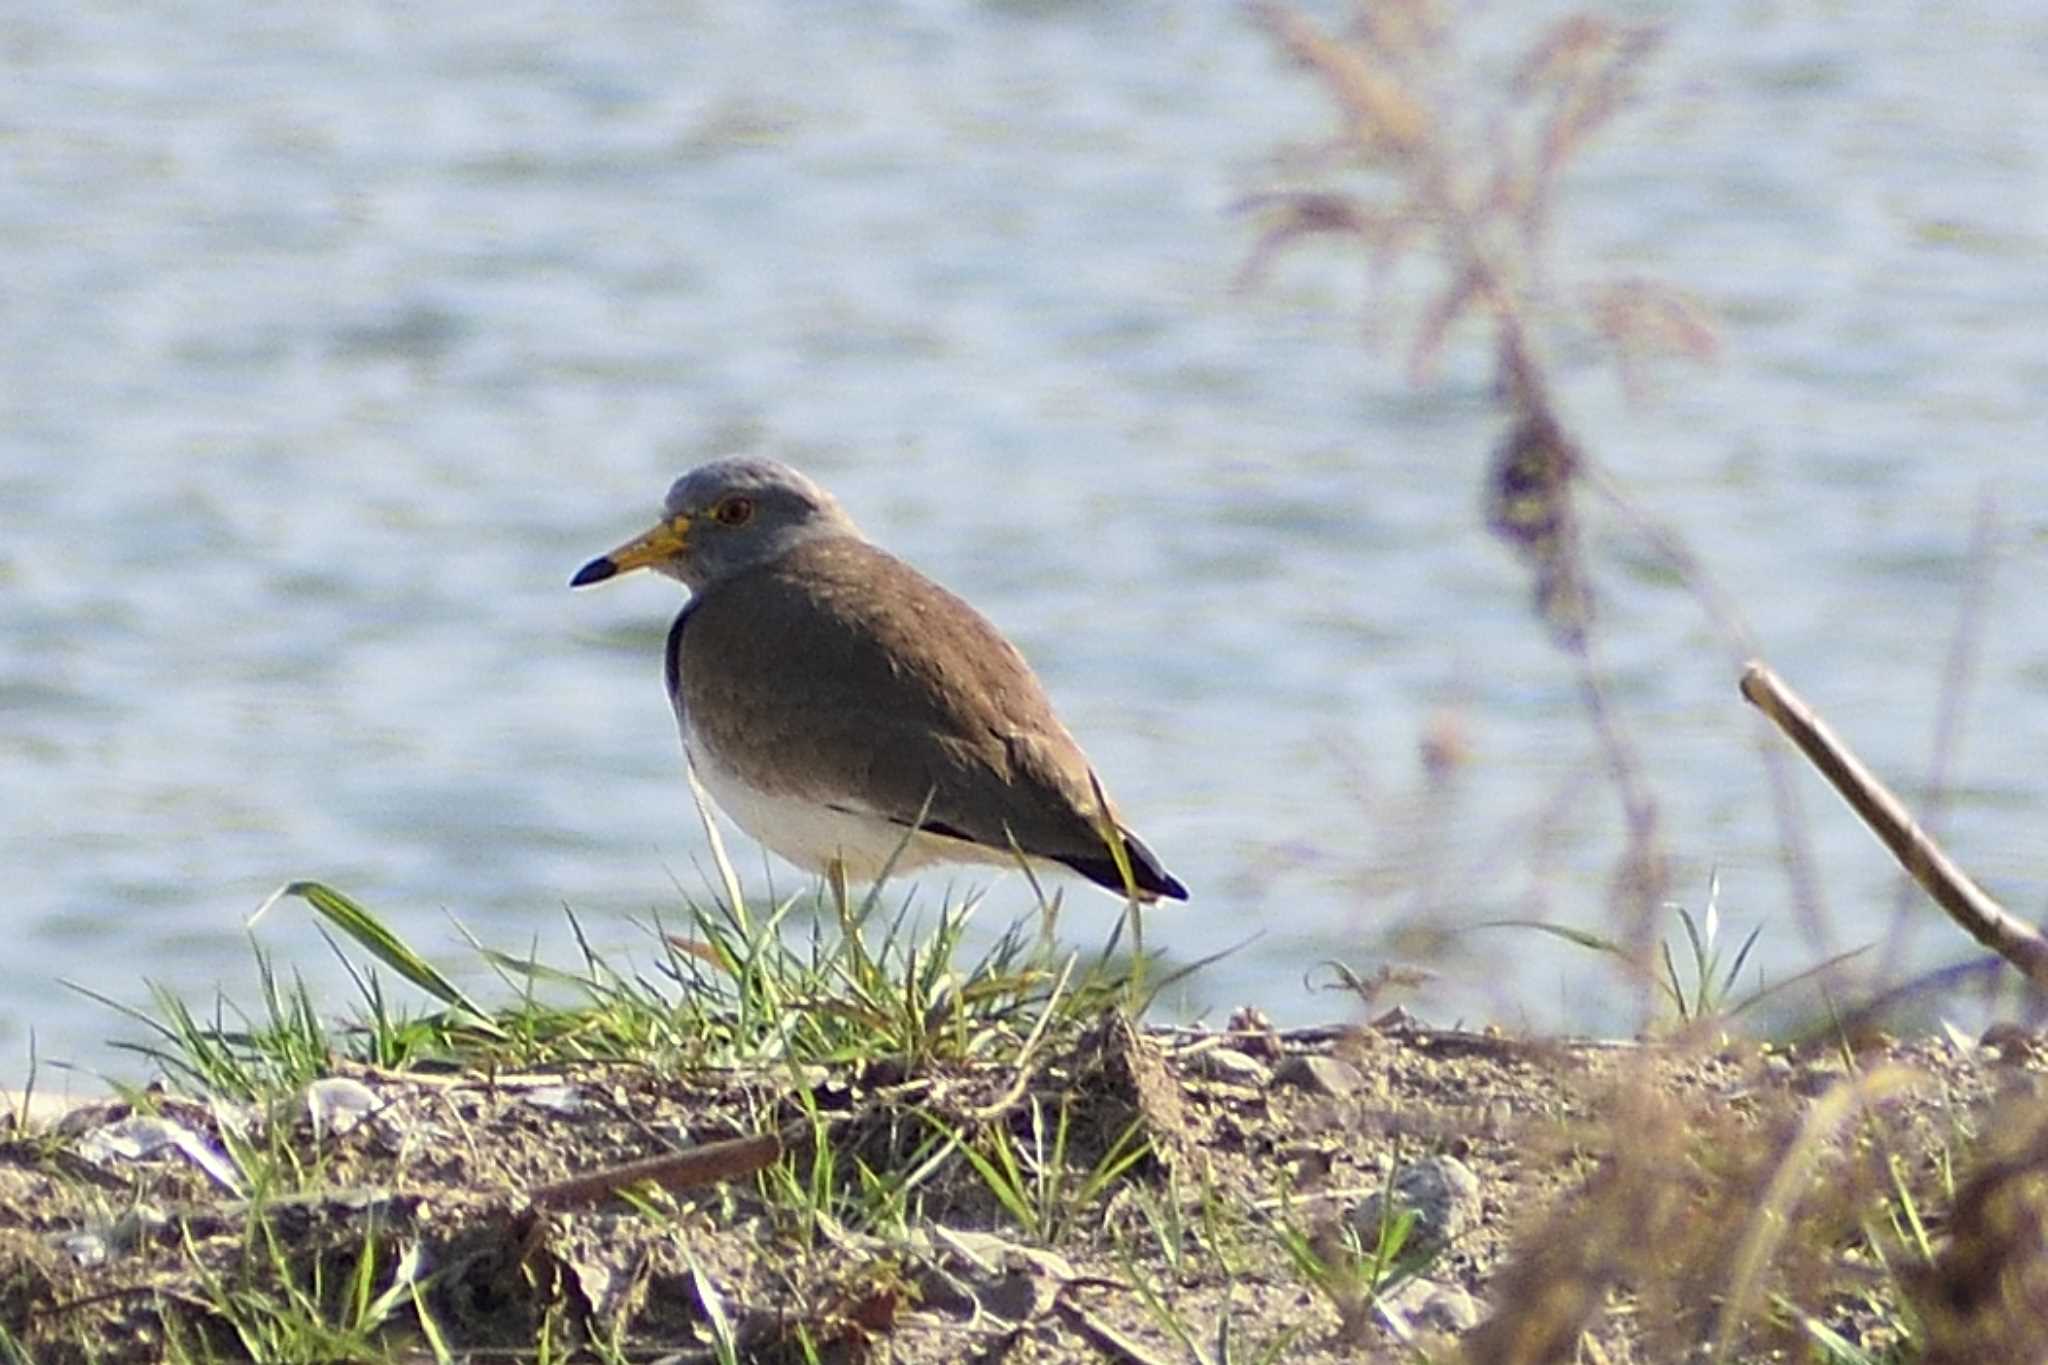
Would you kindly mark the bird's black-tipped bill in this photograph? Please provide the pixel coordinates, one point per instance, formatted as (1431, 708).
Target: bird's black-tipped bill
(657, 546)
(596, 571)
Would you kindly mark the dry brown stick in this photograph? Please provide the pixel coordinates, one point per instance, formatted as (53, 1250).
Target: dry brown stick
(713, 1161)
(1968, 904)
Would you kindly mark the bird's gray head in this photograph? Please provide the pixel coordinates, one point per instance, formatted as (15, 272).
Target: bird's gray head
(723, 517)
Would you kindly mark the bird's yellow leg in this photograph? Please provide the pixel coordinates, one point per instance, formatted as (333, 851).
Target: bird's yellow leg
(835, 877)
(1134, 906)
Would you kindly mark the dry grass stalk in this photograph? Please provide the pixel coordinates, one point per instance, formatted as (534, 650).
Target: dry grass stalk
(1986, 1296)
(1699, 1217)
(1485, 209)
(1774, 1217)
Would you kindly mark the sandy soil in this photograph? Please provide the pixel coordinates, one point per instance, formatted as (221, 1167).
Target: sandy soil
(1603, 1201)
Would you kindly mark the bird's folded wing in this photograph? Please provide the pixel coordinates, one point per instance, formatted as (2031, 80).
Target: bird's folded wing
(842, 674)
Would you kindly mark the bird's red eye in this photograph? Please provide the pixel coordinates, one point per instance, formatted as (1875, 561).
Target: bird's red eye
(734, 511)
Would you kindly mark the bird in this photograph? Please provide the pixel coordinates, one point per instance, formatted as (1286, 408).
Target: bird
(849, 713)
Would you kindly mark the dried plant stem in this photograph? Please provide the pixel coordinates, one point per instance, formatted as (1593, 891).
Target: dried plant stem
(1776, 1210)
(1795, 843)
(1967, 903)
(1641, 878)
(714, 1161)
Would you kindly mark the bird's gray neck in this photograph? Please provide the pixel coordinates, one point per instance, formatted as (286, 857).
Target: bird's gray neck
(698, 574)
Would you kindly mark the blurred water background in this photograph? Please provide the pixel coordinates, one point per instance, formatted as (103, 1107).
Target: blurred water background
(336, 337)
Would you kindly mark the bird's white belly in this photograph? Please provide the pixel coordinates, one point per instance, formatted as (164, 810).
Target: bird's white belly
(814, 835)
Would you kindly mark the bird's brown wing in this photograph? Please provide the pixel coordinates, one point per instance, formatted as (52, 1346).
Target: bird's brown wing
(840, 674)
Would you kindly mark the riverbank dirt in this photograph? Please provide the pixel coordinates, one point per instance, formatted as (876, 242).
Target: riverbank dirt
(1156, 1196)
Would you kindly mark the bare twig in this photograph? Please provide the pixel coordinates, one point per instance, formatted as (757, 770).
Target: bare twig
(714, 1161)
(1967, 903)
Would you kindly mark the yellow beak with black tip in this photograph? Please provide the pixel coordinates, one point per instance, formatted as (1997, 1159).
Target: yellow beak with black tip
(657, 546)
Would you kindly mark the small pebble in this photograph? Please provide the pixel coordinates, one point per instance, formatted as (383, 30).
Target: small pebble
(1426, 1304)
(1441, 1191)
(1228, 1064)
(1320, 1075)
(337, 1104)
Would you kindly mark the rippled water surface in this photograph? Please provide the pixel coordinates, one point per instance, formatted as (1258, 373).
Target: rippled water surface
(336, 337)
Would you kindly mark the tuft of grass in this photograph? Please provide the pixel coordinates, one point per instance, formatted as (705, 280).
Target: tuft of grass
(808, 980)
(805, 987)
(1354, 1268)
(279, 1305)
(1711, 985)
(822, 1192)
(1032, 1177)
(1701, 988)
(233, 1055)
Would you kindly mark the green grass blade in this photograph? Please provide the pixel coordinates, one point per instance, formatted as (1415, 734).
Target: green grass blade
(1672, 984)
(1583, 938)
(1818, 970)
(387, 947)
(1741, 957)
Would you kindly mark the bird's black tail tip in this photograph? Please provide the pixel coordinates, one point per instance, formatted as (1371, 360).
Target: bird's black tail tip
(1153, 881)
